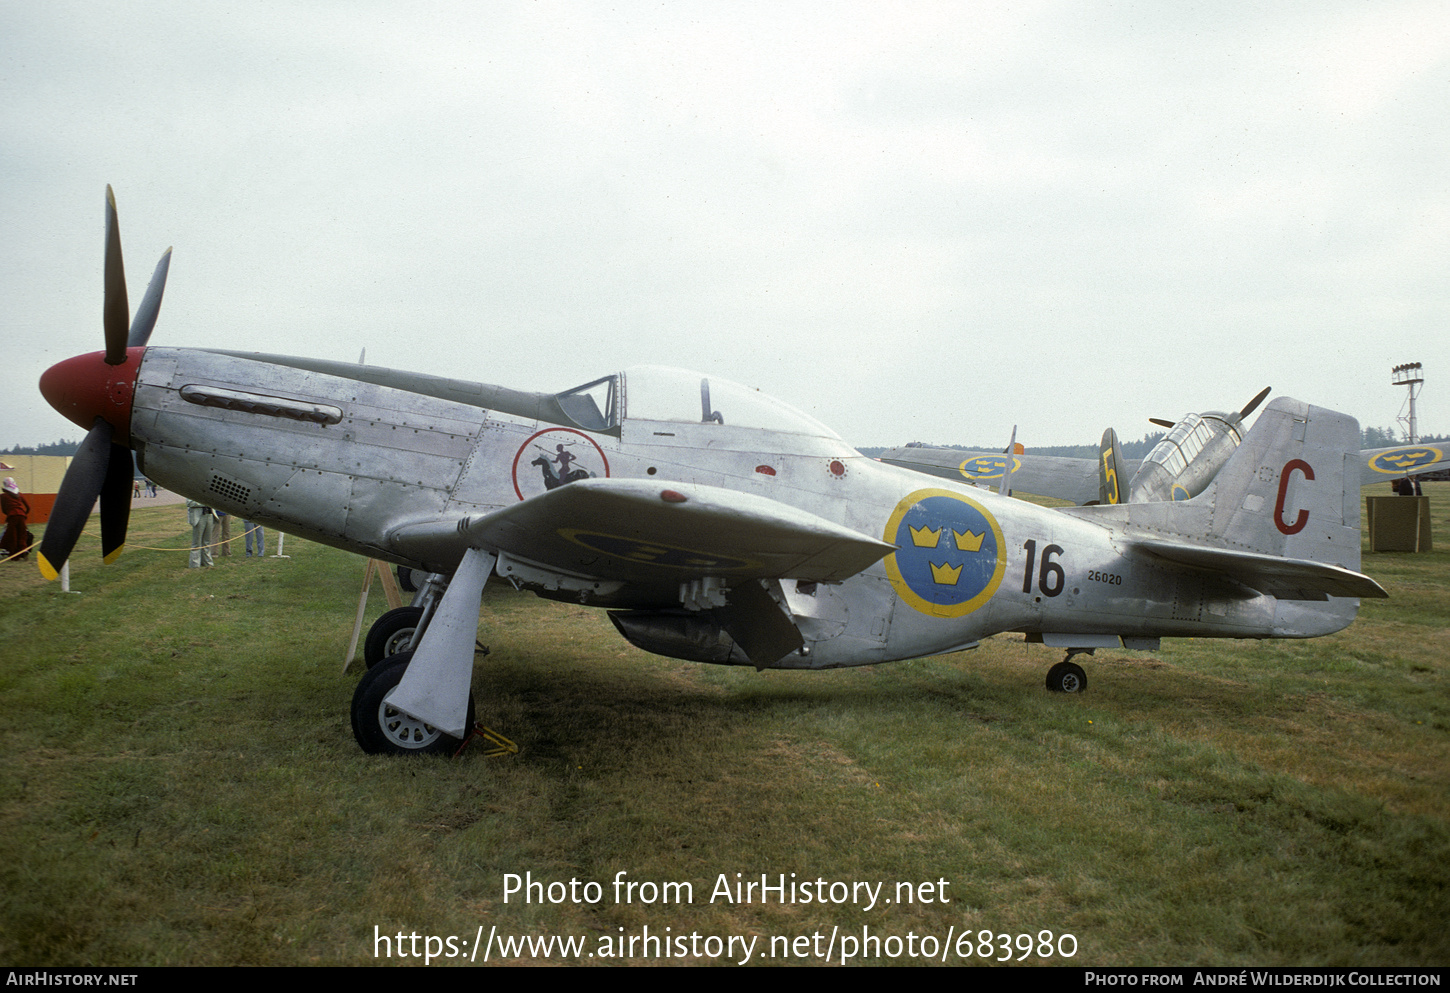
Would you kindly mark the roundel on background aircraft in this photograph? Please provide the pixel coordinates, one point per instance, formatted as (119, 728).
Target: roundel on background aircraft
(950, 556)
(988, 467)
(1398, 461)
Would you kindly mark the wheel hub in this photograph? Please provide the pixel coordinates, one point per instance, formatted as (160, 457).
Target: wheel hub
(405, 730)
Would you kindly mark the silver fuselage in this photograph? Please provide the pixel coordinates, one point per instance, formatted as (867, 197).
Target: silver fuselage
(317, 450)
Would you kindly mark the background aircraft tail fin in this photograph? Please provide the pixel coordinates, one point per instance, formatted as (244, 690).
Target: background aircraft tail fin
(1005, 487)
(1110, 465)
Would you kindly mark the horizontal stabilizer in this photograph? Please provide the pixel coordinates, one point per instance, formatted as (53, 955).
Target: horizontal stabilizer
(1286, 579)
(650, 530)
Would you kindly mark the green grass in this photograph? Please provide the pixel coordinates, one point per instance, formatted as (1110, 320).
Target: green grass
(179, 783)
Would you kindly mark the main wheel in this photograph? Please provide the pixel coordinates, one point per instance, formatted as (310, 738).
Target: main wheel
(381, 729)
(1066, 677)
(410, 579)
(390, 634)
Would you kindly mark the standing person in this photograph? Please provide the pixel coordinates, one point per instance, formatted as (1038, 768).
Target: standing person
(203, 530)
(17, 512)
(224, 536)
(255, 530)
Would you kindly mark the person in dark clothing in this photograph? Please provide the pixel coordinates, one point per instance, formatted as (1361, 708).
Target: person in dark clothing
(17, 512)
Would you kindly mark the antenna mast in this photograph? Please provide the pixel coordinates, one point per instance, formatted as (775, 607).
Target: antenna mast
(1409, 375)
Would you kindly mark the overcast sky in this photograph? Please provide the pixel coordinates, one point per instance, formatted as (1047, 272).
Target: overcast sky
(914, 221)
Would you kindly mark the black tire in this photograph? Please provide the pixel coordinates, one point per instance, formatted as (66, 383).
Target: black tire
(1066, 677)
(391, 634)
(405, 579)
(384, 730)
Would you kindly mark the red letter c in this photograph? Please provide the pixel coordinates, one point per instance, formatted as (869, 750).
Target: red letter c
(1303, 516)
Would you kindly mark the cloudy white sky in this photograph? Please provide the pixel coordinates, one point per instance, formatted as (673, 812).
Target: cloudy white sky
(915, 221)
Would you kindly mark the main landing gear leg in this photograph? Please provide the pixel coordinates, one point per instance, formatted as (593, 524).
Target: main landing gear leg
(429, 691)
(1067, 676)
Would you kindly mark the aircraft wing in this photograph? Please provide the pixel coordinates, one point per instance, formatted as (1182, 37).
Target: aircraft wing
(1046, 475)
(1380, 465)
(1287, 579)
(648, 531)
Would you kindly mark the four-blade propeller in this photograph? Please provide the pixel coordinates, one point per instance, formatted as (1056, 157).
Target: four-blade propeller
(95, 391)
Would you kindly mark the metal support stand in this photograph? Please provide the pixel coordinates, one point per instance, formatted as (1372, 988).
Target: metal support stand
(390, 590)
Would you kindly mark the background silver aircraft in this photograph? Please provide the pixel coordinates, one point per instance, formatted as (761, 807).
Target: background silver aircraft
(1180, 466)
(715, 523)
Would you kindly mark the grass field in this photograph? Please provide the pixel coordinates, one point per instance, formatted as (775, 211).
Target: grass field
(179, 784)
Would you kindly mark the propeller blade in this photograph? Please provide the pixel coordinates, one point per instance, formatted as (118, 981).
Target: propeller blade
(117, 307)
(116, 502)
(1254, 403)
(78, 492)
(150, 304)
(1161, 422)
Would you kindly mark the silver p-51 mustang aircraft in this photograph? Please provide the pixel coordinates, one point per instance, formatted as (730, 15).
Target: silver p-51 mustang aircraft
(715, 523)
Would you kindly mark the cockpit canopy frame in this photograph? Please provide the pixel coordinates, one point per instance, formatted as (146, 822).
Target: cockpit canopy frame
(667, 394)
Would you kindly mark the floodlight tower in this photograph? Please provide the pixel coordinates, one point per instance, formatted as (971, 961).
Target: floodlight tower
(1409, 375)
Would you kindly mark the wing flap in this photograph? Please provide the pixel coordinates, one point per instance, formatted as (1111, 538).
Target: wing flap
(648, 531)
(1286, 579)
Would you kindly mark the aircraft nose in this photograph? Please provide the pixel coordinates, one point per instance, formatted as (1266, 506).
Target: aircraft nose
(86, 387)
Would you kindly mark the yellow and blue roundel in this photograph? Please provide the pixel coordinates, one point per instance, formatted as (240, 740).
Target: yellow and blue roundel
(1398, 461)
(950, 556)
(981, 467)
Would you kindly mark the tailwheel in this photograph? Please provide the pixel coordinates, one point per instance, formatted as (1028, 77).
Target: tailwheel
(1066, 677)
(391, 634)
(381, 729)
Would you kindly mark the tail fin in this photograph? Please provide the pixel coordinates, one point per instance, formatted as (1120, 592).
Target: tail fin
(1292, 488)
(1110, 461)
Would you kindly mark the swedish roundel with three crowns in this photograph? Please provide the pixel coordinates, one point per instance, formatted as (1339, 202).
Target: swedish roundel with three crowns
(949, 560)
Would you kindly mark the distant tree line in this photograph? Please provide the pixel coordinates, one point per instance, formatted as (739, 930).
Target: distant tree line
(54, 448)
(1389, 437)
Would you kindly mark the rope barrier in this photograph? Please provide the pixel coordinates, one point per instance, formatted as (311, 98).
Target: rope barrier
(147, 548)
(215, 544)
(23, 551)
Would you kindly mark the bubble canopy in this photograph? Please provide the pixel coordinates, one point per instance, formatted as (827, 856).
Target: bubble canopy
(663, 393)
